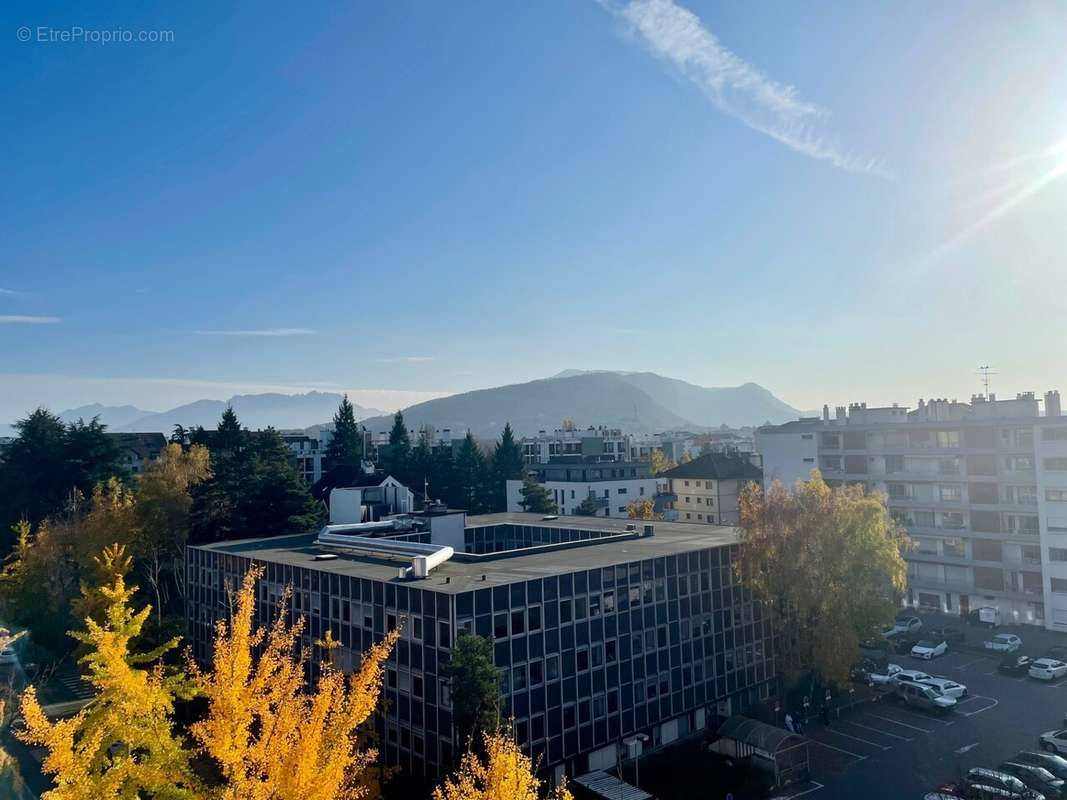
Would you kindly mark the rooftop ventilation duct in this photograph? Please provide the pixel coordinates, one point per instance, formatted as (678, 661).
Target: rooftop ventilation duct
(424, 557)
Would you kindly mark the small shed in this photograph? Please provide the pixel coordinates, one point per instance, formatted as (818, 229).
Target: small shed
(776, 750)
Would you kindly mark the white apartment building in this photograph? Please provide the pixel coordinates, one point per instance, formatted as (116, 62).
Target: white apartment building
(981, 488)
(600, 442)
(612, 485)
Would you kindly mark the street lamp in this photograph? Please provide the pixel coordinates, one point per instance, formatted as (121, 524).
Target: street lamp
(634, 746)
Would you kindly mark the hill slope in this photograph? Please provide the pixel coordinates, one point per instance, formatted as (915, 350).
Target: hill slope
(254, 411)
(747, 404)
(114, 417)
(591, 399)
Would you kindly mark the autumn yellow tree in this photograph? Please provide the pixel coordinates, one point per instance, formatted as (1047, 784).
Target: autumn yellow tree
(272, 738)
(826, 562)
(504, 773)
(658, 461)
(642, 509)
(122, 745)
(164, 503)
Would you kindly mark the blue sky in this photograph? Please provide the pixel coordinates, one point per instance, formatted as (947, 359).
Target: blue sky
(840, 201)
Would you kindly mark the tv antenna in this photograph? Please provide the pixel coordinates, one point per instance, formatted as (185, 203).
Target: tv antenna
(985, 372)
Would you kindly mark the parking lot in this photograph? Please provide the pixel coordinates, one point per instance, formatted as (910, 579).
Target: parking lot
(885, 750)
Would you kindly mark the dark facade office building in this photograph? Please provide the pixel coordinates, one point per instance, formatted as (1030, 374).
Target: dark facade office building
(600, 630)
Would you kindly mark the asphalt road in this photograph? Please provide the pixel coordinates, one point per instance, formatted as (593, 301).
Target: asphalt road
(888, 751)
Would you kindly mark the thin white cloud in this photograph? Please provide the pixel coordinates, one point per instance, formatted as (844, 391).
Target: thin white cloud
(19, 319)
(404, 360)
(10, 293)
(261, 332)
(734, 86)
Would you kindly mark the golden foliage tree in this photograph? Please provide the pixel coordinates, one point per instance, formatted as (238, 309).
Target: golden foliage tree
(271, 738)
(122, 745)
(505, 773)
(642, 509)
(826, 562)
(658, 462)
(164, 503)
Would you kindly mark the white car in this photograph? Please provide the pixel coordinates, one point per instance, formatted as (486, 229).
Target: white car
(886, 678)
(1047, 669)
(929, 649)
(1054, 741)
(947, 687)
(903, 625)
(8, 656)
(913, 675)
(1004, 643)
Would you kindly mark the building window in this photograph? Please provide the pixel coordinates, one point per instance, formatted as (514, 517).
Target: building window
(1056, 495)
(1057, 554)
(622, 490)
(1054, 434)
(1056, 464)
(1059, 585)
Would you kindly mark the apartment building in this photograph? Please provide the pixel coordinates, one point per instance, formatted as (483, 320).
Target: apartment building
(600, 630)
(610, 484)
(593, 442)
(706, 489)
(981, 488)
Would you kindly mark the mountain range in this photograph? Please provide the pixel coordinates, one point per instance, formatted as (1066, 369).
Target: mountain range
(635, 401)
(254, 411)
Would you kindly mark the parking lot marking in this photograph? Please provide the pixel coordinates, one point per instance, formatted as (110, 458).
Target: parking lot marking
(815, 786)
(902, 724)
(879, 731)
(839, 749)
(993, 703)
(857, 738)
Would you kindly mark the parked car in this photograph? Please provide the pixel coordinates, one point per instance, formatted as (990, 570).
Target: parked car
(1047, 669)
(1004, 643)
(1037, 778)
(920, 695)
(1055, 764)
(1054, 741)
(903, 624)
(1015, 664)
(995, 779)
(884, 678)
(946, 686)
(929, 649)
(911, 675)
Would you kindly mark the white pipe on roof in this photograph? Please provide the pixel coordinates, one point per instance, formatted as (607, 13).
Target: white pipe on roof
(424, 557)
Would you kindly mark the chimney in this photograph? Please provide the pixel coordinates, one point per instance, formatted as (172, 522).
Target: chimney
(839, 412)
(825, 413)
(1052, 403)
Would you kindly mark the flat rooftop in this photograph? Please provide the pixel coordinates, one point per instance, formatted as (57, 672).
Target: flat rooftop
(456, 575)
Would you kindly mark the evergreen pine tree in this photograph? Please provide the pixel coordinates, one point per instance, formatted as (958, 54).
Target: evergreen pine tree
(587, 508)
(507, 465)
(229, 435)
(535, 497)
(472, 477)
(346, 446)
(399, 450)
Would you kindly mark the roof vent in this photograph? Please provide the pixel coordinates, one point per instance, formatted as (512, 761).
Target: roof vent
(549, 517)
(325, 556)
